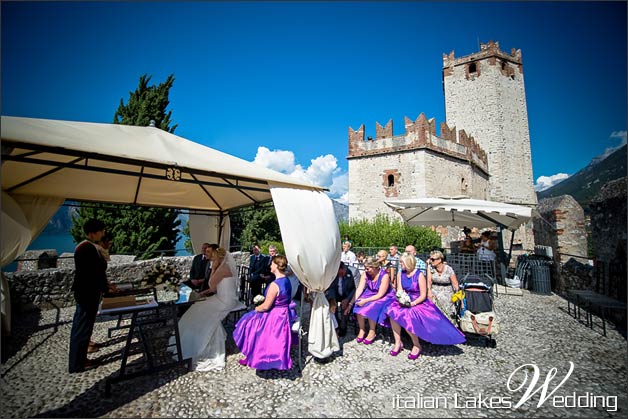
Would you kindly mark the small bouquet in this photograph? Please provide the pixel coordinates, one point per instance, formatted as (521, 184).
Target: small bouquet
(403, 298)
(162, 275)
(258, 299)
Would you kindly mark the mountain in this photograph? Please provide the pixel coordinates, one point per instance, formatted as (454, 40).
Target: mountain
(341, 211)
(61, 222)
(586, 183)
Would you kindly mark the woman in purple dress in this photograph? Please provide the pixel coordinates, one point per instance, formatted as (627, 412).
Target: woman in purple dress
(372, 297)
(264, 335)
(421, 319)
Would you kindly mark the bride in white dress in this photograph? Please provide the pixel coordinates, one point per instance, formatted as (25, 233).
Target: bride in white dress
(200, 328)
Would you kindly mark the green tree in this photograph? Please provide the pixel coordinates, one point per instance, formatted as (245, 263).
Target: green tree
(147, 232)
(255, 225)
(383, 232)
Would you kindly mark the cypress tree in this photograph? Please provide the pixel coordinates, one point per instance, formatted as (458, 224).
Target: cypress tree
(147, 232)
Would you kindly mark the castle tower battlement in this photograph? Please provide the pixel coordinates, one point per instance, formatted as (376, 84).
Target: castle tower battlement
(419, 134)
(485, 96)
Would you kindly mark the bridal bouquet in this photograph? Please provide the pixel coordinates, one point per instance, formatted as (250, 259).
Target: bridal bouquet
(258, 299)
(403, 298)
(162, 275)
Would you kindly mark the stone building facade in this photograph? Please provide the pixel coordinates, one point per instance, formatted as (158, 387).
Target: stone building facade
(418, 163)
(481, 152)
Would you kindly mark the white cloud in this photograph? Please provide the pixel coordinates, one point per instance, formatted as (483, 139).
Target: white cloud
(323, 170)
(609, 150)
(279, 160)
(545, 182)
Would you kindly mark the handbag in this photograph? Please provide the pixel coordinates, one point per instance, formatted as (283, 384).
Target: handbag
(484, 323)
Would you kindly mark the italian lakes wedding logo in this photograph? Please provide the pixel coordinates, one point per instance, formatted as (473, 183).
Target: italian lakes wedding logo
(521, 391)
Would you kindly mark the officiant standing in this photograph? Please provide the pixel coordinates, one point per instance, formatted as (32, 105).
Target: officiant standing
(90, 283)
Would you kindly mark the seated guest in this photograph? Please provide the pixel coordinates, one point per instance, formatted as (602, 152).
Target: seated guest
(442, 283)
(421, 319)
(201, 331)
(420, 263)
(374, 294)
(264, 335)
(257, 268)
(341, 291)
(347, 256)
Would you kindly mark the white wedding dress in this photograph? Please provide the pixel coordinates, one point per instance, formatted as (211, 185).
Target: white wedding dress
(200, 328)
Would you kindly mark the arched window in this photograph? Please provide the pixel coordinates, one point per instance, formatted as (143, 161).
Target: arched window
(472, 68)
(391, 181)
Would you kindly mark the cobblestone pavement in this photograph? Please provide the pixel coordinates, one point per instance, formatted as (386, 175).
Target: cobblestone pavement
(468, 380)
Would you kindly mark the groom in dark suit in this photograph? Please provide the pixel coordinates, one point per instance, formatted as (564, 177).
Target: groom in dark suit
(201, 268)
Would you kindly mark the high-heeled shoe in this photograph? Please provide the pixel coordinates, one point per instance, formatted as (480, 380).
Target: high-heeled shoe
(414, 356)
(369, 341)
(242, 361)
(395, 353)
(359, 340)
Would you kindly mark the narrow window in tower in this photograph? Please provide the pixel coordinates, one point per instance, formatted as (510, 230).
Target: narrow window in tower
(472, 68)
(391, 181)
(463, 185)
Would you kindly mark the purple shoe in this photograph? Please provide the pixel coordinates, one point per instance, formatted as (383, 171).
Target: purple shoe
(395, 353)
(413, 357)
(359, 340)
(242, 361)
(368, 342)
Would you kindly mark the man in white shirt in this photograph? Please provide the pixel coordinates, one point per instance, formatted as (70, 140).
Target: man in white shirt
(347, 256)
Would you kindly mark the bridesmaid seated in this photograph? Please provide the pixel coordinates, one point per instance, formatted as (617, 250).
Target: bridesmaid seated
(264, 335)
(422, 319)
(372, 297)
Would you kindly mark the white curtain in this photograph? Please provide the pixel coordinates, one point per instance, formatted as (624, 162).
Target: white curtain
(23, 218)
(311, 239)
(205, 229)
(225, 236)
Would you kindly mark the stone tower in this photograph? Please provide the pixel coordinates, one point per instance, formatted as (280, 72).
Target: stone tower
(485, 96)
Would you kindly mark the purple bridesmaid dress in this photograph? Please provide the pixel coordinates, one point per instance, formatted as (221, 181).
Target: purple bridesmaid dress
(265, 338)
(424, 320)
(375, 310)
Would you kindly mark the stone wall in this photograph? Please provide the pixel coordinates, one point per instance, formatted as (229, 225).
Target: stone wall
(560, 225)
(577, 276)
(31, 288)
(608, 211)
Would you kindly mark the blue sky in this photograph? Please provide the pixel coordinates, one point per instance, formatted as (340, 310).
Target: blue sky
(279, 83)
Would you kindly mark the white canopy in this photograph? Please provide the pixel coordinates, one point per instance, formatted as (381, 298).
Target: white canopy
(121, 164)
(86, 161)
(460, 212)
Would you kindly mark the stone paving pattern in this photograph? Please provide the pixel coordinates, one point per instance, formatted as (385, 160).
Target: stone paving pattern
(359, 381)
